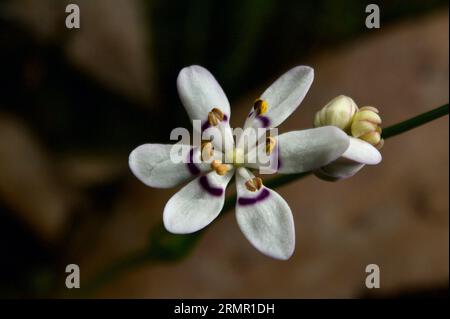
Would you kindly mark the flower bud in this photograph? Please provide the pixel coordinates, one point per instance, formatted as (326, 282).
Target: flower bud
(366, 126)
(338, 112)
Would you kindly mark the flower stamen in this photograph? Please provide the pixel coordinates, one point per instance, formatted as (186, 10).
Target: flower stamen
(219, 168)
(270, 145)
(254, 184)
(215, 117)
(260, 106)
(207, 150)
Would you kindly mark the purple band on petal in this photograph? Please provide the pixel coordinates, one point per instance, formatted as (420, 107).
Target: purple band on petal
(279, 163)
(215, 191)
(265, 121)
(193, 169)
(245, 201)
(205, 126)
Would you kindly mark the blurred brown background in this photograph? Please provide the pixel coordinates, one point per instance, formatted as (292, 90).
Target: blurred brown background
(74, 103)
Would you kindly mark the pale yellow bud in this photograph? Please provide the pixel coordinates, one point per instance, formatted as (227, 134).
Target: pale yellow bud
(338, 112)
(366, 126)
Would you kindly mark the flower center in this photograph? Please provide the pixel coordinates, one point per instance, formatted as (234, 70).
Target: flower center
(238, 157)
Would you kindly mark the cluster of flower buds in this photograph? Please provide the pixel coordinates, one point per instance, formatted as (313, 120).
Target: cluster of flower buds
(366, 126)
(363, 123)
(338, 112)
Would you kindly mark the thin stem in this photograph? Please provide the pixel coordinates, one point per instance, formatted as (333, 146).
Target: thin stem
(416, 121)
(164, 246)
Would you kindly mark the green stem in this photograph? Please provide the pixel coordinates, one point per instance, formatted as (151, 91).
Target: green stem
(116, 268)
(415, 121)
(164, 246)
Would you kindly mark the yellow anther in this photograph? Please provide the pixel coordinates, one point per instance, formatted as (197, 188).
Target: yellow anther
(215, 116)
(207, 150)
(270, 144)
(221, 169)
(260, 106)
(254, 184)
(215, 164)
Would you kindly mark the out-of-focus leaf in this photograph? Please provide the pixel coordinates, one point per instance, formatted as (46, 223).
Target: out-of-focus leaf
(86, 170)
(253, 18)
(166, 246)
(28, 184)
(112, 44)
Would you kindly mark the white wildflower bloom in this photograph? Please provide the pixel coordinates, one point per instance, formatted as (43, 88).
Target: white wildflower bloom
(363, 126)
(263, 215)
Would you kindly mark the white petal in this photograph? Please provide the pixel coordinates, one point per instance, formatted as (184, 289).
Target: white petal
(152, 164)
(248, 138)
(283, 97)
(265, 219)
(362, 152)
(221, 137)
(200, 93)
(307, 150)
(257, 158)
(197, 204)
(358, 154)
(340, 169)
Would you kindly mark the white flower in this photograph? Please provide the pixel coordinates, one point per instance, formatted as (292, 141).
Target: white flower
(364, 126)
(263, 216)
